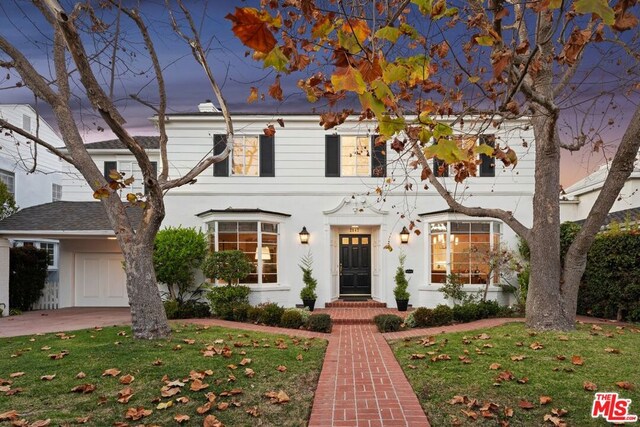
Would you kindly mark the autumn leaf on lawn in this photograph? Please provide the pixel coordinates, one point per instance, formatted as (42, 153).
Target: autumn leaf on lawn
(536, 346)
(165, 405)
(495, 366)
(84, 388)
(252, 28)
(559, 412)
(458, 399)
(508, 412)
(82, 420)
(544, 400)
(9, 415)
(281, 368)
(577, 360)
(563, 338)
(58, 356)
(470, 414)
(41, 423)
(625, 385)
(245, 361)
(525, 404)
(279, 397)
(137, 413)
(589, 386)
(47, 377)
(211, 397)
(80, 375)
(556, 421)
(157, 362)
(183, 399)
(249, 372)
(417, 356)
(113, 372)
(223, 406)
(16, 374)
(189, 341)
(124, 395)
(612, 350)
(212, 421)
(198, 385)
(181, 418)
(167, 391)
(204, 408)
(127, 379)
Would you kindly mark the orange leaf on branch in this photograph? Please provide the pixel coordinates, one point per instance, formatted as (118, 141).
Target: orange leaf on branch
(252, 28)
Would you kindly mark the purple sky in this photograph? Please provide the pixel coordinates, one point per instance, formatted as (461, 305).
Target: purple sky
(186, 85)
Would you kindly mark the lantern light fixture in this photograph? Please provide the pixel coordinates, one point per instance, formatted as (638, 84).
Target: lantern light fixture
(304, 236)
(404, 235)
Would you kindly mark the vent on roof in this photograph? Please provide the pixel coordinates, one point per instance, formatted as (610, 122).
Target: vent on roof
(207, 107)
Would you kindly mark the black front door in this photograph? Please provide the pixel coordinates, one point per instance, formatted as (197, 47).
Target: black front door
(355, 264)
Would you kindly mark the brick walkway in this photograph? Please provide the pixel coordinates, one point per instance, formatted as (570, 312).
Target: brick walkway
(362, 384)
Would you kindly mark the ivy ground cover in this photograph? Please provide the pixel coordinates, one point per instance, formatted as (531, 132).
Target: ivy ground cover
(512, 376)
(201, 376)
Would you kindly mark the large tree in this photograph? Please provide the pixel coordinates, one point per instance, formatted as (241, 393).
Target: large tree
(85, 44)
(497, 60)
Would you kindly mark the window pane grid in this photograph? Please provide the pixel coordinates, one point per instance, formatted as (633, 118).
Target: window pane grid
(245, 158)
(355, 158)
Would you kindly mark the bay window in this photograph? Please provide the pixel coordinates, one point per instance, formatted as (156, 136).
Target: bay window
(258, 240)
(464, 248)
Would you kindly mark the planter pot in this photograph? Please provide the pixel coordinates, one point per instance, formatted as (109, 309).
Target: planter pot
(402, 304)
(309, 303)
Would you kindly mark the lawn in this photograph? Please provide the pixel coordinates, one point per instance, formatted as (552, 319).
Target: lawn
(237, 367)
(495, 372)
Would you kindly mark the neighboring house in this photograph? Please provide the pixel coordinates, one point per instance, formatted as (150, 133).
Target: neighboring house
(579, 198)
(328, 183)
(32, 174)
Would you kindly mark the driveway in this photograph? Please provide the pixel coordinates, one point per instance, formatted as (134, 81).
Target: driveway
(64, 319)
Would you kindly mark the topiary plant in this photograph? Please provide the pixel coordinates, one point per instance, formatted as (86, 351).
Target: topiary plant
(308, 292)
(400, 291)
(230, 266)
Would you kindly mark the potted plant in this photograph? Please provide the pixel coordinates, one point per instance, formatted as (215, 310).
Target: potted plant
(400, 291)
(308, 292)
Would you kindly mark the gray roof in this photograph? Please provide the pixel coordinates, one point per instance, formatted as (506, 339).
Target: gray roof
(65, 216)
(240, 211)
(633, 215)
(147, 142)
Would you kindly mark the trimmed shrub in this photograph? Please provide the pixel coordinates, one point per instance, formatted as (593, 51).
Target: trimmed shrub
(187, 310)
(271, 314)
(230, 266)
(488, 309)
(465, 312)
(320, 322)
(291, 319)
(225, 298)
(410, 320)
(442, 315)
(308, 292)
(304, 312)
(400, 291)
(610, 286)
(27, 276)
(388, 322)
(241, 312)
(254, 313)
(423, 317)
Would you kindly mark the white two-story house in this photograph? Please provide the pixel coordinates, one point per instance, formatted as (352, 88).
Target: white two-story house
(333, 193)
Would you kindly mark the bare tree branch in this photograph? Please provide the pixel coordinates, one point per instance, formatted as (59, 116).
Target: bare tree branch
(6, 125)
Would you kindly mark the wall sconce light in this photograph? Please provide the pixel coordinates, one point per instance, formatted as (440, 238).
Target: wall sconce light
(404, 235)
(304, 236)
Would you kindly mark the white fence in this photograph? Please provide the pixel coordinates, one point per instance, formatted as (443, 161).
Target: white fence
(49, 299)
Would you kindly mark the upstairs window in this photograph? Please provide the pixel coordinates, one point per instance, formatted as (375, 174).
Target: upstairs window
(252, 155)
(56, 192)
(8, 179)
(26, 123)
(129, 168)
(350, 155)
(486, 167)
(258, 240)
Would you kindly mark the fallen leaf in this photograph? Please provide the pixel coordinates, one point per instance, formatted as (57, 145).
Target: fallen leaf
(544, 400)
(245, 361)
(458, 399)
(165, 405)
(536, 346)
(82, 420)
(212, 421)
(16, 374)
(483, 336)
(137, 413)
(41, 423)
(124, 395)
(524, 404)
(84, 388)
(204, 408)
(518, 358)
(577, 360)
(157, 362)
(470, 414)
(508, 412)
(189, 341)
(253, 411)
(612, 350)
(495, 366)
(47, 377)
(556, 421)
(299, 357)
(589, 386)
(181, 418)
(183, 399)
(198, 385)
(560, 357)
(417, 356)
(281, 368)
(563, 338)
(223, 406)
(127, 379)
(625, 385)
(249, 372)
(559, 412)
(596, 327)
(113, 372)
(80, 375)
(9, 415)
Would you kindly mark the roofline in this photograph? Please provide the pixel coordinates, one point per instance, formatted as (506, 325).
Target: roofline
(241, 211)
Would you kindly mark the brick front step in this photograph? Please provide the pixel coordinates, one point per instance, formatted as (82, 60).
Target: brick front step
(356, 304)
(357, 316)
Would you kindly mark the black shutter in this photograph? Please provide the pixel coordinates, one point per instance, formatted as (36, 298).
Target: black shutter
(379, 157)
(267, 156)
(332, 155)
(108, 167)
(488, 163)
(219, 144)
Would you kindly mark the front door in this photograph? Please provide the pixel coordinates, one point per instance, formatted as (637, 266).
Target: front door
(355, 264)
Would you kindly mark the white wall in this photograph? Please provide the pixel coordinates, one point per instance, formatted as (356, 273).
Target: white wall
(579, 209)
(17, 156)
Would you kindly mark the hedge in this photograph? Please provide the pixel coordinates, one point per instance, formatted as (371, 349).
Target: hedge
(27, 276)
(610, 287)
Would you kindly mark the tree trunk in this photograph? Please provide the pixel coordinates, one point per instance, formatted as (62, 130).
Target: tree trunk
(149, 320)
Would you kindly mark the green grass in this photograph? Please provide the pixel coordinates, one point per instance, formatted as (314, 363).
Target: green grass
(436, 383)
(93, 351)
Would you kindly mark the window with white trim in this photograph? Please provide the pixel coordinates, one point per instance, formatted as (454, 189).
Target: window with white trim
(8, 179)
(258, 240)
(464, 248)
(50, 247)
(56, 192)
(245, 160)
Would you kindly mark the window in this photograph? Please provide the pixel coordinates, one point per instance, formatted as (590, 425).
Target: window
(349, 155)
(465, 249)
(8, 179)
(252, 155)
(486, 163)
(26, 123)
(56, 192)
(108, 167)
(128, 168)
(259, 242)
(50, 247)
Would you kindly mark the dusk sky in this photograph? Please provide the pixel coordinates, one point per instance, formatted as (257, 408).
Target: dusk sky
(186, 84)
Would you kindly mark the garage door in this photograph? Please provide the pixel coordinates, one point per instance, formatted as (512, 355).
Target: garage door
(100, 280)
